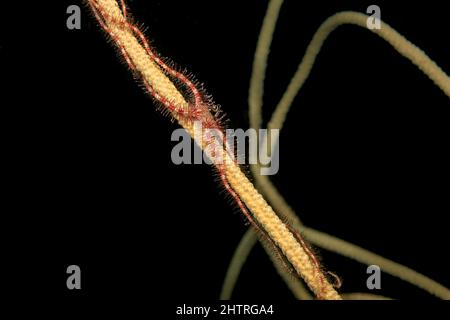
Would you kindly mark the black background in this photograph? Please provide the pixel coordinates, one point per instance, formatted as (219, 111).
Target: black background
(88, 175)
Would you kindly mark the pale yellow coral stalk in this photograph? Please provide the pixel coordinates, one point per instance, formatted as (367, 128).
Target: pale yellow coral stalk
(263, 213)
(395, 39)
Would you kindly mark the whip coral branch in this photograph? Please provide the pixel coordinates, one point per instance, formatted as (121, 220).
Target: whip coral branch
(405, 48)
(160, 81)
(386, 32)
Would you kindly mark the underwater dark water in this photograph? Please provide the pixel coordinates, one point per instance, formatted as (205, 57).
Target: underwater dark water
(89, 178)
